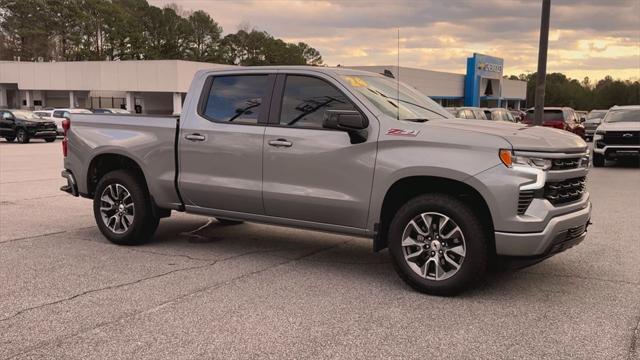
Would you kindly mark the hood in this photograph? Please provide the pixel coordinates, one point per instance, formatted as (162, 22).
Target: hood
(620, 126)
(521, 137)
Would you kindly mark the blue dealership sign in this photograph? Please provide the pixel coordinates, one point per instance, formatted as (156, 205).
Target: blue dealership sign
(483, 77)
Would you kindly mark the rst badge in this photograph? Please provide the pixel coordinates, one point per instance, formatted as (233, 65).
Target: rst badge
(403, 132)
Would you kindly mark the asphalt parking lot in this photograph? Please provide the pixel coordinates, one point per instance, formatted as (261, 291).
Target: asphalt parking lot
(202, 290)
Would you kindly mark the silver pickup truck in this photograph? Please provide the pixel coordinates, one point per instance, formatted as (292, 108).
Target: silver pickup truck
(338, 150)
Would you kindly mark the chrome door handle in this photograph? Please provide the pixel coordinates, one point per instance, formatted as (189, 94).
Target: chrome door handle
(195, 137)
(280, 143)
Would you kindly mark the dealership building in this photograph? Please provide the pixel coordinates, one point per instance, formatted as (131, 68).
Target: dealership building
(159, 86)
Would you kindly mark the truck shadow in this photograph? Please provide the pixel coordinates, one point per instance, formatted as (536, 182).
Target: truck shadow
(349, 258)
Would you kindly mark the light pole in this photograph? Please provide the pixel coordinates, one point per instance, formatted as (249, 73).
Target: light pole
(542, 61)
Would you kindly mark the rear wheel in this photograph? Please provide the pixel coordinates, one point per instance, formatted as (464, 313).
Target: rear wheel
(438, 245)
(598, 160)
(50, 140)
(9, 138)
(22, 136)
(122, 209)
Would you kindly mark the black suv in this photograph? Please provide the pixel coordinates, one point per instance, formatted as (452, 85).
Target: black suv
(24, 125)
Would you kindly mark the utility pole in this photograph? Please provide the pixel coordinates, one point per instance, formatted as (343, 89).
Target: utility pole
(542, 61)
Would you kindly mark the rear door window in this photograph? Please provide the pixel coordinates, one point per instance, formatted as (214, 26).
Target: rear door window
(236, 99)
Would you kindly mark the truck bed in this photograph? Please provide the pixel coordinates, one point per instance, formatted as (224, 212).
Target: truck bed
(148, 140)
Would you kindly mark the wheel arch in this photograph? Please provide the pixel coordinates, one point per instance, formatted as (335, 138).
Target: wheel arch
(404, 189)
(103, 163)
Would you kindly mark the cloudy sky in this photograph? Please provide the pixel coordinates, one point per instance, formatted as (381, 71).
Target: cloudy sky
(588, 37)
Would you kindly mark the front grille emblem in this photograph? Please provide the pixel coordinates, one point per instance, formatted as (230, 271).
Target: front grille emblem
(627, 135)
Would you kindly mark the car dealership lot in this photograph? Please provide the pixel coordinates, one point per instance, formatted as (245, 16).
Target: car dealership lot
(201, 290)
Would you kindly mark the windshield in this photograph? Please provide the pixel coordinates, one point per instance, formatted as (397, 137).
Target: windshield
(383, 93)
(596, 114)
(622, 116)
(27, 115)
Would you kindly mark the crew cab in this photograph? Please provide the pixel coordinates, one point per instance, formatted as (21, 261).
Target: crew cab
(564, 118)
(24, 125)
(343, 151)
(618, 135)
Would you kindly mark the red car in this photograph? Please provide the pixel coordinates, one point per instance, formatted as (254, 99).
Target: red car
(560, 118)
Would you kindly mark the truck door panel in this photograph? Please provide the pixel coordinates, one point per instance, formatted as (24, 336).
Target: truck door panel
(312, 173)
(220, 145)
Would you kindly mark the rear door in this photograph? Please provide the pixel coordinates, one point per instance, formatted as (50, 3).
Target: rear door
(312, 173)
(220, 144)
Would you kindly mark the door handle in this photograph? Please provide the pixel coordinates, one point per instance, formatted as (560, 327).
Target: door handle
(280, 143)
(195, 137)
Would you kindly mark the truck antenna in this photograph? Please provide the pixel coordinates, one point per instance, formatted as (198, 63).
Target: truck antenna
(398, 78)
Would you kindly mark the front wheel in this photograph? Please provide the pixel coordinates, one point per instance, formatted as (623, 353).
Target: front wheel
(598, 160)
(50, 140)
(122, 209)
(9, 138)
(438, 245)
(22, 136)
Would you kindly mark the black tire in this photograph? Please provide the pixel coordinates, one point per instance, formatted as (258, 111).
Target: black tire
(9, 138)
(474, 264)
(50, 140)
(144, 223)
(224, 221)
(22, 136)
(598, 160)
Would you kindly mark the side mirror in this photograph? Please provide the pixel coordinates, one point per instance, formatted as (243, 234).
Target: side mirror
(345, 120)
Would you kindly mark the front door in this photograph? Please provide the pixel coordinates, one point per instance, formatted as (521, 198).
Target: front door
(220, 145)
(312, 173)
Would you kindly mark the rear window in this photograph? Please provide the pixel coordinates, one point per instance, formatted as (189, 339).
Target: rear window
(549, 115)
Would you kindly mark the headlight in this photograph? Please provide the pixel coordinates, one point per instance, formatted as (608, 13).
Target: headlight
(30, 123)
(510, 160)
(598, 136)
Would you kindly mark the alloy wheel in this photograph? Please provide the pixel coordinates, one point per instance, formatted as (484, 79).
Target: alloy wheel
(433, 246)
(116, 208)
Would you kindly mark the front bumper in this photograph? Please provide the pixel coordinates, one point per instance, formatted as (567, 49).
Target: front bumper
(616, 151)
(43, 133)
(561, 233)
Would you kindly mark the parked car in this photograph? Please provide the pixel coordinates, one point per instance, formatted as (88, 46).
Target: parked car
(110, 111)
(564, 118)
(594, 118)
(469, 112)
(333, 149)
(58, 115)
(618, 136)
(519, 115)
(24, 125)
(500, 114)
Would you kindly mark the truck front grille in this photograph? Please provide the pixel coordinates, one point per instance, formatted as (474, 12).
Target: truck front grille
(622, 138)
(564, 164)
(526, 196)
(565, 191)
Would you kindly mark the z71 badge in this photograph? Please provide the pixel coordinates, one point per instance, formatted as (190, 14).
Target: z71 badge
(403, 132)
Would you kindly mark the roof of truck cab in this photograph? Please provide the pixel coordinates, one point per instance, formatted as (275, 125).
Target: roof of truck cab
(320, 69)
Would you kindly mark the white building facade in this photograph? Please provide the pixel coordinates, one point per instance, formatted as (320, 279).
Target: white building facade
(159, 86)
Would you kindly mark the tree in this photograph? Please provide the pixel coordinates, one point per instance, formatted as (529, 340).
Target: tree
(203, 35)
